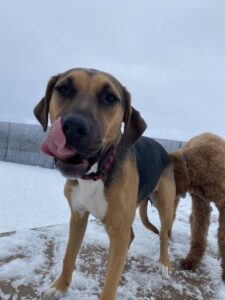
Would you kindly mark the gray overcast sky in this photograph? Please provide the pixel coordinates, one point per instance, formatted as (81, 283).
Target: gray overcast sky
(170, 54)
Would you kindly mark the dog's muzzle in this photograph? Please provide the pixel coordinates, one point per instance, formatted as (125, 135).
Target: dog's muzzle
(73, 145)
(77, 131)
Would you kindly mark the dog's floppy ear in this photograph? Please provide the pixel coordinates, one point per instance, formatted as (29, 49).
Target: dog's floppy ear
(180, 173)
(134, 123)
(42, 108)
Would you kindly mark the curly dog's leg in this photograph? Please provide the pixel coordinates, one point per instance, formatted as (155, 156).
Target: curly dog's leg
(221, 238)
(200, 219)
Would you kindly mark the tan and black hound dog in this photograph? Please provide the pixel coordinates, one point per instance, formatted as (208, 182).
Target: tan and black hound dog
(108, 172)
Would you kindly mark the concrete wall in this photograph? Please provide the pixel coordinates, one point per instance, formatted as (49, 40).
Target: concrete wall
(19, 143)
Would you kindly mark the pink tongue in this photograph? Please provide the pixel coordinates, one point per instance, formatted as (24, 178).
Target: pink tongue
(55, 142)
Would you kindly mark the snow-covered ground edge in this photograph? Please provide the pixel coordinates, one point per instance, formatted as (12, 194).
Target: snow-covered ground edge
(24, 260)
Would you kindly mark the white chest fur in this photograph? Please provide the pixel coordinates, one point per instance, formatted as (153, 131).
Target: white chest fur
(89, 196)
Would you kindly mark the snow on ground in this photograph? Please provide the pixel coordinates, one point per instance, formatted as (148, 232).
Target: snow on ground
(30, 259)
(30, 197)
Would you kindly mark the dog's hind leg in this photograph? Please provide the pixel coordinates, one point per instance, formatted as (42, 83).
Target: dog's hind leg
(200, 220)
(165, 198)
(221, 238)
(177, 200)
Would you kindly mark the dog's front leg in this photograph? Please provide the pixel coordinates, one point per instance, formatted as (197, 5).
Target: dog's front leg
(119, 243)
(78, 226)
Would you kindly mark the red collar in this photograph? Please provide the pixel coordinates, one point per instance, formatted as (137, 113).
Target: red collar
(107, 162)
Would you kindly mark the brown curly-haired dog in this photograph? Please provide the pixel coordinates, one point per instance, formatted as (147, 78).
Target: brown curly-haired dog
(199, 168)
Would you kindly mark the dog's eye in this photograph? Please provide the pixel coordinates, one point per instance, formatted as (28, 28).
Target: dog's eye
(65, 90)
(109, 98)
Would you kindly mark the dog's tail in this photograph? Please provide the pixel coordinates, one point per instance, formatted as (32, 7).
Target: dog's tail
(144, 216)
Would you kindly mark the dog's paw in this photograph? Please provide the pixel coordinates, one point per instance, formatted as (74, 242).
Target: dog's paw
(52, 293)
(165, 271)
(57, 289)
(187, 264)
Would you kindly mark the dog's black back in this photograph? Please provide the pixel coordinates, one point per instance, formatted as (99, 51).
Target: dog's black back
(151, 160)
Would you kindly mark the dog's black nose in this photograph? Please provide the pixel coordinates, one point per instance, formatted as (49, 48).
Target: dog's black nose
(75, 127)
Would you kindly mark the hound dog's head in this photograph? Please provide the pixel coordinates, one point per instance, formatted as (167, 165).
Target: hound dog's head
(86, 108)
